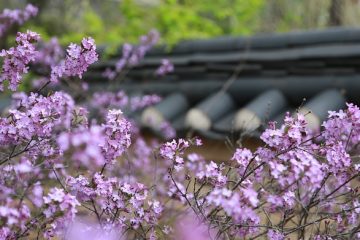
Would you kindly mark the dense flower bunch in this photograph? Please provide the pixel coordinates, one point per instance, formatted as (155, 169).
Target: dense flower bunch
(68, 172)
(309, 179)
(77, 60)
(122, 204)
(17, 58)
(60, 208)
(37, 118)
(10, 17)
(97, 145)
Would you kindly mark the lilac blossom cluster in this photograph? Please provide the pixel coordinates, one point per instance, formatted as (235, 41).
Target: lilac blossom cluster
(102, 101)
(16, 59)
(298, 175)
(165, 68)
(132, 55)
(97, 145)
(10, 17)
(39, 117)
(65, 174)
(77, 61)
(122, 204)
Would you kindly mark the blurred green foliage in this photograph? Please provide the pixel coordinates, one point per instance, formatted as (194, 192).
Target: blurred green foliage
(113, 22)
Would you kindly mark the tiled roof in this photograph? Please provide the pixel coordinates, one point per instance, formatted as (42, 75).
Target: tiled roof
(228, 85)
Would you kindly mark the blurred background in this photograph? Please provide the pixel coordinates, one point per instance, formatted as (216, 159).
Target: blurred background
(111, 22)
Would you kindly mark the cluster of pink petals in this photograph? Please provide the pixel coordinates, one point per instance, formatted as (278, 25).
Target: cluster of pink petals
(132, 55)
(213, 173)
(64, 206)
(38, 118)
(302, 167)
(10, 17)
(130, 200)
(343, 126)
(102, 101)
(96, 145)
(16, 59)
(238, 205)
(173, 152)
(291, 133)
(117, 132)
(83, 145)
(166, 67)
(77, 61)
(275, 235)
(13, 216)
(140, 102)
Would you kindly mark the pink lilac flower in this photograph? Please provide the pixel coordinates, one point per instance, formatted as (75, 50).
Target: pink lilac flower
(146, 43)
(39, 117)
(343, 126)
(213, 173)
(338, 159)
(97, 145)
(37, 194)
(44, 137)
(291, 133)
(289, 199)
(251, 195)
(234, 205)
(274, 202)
(80, 187)
(132, 55)
(195, 162)
(243, 157)
(11, 216)
(275, 235)
(140, 102)
(173, 151)
(109, 74)
(131, 200)
(10, 17)
(57, 202)
(16, 59)
(198, 142)
(84, 146)
(102, 101)
(77, 61)
(117, 132)
(178, 191)
(165, 68)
